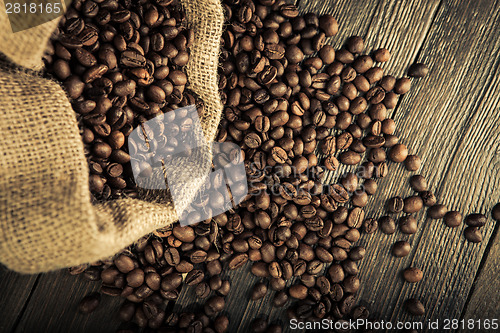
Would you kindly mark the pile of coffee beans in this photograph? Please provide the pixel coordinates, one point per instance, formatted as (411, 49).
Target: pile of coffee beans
(120, 63)
(296, 107)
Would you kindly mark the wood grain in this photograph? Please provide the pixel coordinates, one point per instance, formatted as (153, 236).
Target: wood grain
(53, 307)
(15, 290)
(451, 119)
(486, 286)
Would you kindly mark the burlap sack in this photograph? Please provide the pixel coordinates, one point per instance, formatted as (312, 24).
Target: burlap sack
(46, 218)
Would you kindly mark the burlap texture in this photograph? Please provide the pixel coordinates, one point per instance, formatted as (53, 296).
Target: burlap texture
(47, 220)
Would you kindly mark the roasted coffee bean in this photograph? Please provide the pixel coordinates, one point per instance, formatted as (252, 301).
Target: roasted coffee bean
(381, 55)
(415, 307)
(387, 225)
(495, 212)
(280, 299)
(124, 263)
(89, 303)
(356, 217)
(408, 224)
(452, 219)
(401, 249)
(398, 153)
(370, 225)
(418, 70)
(355, 44)
(475, 220)
(298, 291)
(259, 291)
(413, 274)
(214, 305)
(418, 183)
(135, 278)
(259, 325)
(437, 211)
(428, 198)
(238, 261)
(473, 234)
(194, 277)
(412, 204)
(412, 163)
(395, 205)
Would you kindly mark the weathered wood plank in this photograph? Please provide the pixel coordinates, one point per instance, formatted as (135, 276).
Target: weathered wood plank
(15, 290)
(451, 119)
(53, 307)
(486, 287)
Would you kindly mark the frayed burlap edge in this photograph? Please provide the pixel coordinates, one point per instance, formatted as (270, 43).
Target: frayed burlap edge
(46, 219)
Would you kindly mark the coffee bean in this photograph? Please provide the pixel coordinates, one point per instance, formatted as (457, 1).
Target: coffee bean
(89, 303)
(349, 158)
(135, 278)
(418, 70)
(413, 274)
(355, 44)
(414, 307)
(259, 325)
(259, 291)
(452, 219)
(412, 163)
(221, 324)
(370, 225)
(402, 86)
(329, 25)
(418, 183)
(475, 220)
(124, 263)
(412, 204)
(214, 305)
(437, 211)
(395, 205)
(387, 225)
(382, 55)
(495, 212)
(401, 249)
(280, 299)
(473, 235)
(408, 224)
(238, 261)
(298, 291)
(398, 153)
(428, 198)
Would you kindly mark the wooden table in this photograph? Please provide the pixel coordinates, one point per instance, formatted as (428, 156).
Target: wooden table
(451, 118)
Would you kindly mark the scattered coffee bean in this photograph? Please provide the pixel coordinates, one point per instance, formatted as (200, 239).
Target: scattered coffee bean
(475, 220)
(413, 274)
(437, 211)
(401, 249)
(418, 70)
(495, 212)
(412, 163)
(415, 307)
(473, 234)
(418, 183)
(452, 219)
(89, 303)
(395, 205)
(387, 225)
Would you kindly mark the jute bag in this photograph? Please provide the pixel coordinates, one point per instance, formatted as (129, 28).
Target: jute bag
(47, 220)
